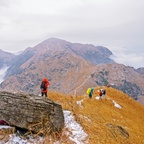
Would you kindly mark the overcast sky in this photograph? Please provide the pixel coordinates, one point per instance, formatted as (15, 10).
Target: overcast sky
(116, 24)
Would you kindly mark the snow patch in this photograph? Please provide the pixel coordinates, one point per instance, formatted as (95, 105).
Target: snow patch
(76, 133)
(4, 126)
(17, 140)
(116, 104)
(80, 103)
(97, 97)
(14, 139)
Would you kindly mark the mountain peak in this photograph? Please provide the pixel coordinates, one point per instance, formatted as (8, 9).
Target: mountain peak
(71, 68)
(53, 40)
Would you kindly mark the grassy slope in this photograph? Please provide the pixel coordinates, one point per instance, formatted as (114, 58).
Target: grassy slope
(95, 114)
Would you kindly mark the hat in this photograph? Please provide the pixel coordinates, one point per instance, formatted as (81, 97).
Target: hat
(44, 79)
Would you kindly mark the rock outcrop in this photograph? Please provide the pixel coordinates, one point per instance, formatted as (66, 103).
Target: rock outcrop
(31, 112)
(117, 131)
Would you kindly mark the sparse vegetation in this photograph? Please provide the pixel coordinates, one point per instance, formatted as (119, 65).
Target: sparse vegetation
(102, 78)
(94, 116)
(101, 120)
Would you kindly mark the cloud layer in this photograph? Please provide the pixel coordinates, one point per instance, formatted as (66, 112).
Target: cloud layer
(25, 23)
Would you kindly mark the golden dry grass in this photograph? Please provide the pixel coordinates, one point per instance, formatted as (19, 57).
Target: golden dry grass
(94, 115)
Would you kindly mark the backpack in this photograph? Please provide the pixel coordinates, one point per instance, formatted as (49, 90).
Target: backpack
(100, 92)
(104, 92)
(88, 91)
(42, 86)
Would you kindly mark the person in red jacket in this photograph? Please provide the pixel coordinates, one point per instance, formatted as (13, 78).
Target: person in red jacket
(44, 87)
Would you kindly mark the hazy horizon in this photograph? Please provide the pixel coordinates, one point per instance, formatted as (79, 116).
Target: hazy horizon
(118, 25)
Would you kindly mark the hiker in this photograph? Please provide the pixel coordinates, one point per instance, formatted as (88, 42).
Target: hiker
(44, 87)
(91, 92)
(103, 92)
(100, 92)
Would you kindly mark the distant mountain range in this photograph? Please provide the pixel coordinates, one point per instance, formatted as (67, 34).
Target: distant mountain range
(70, 67)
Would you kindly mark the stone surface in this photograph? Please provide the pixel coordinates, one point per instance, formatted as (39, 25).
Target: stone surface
(117, 131)
(31, 112)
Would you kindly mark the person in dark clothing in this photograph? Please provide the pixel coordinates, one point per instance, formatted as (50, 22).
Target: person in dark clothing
(44, 88)
(91, 92)
(102, 93)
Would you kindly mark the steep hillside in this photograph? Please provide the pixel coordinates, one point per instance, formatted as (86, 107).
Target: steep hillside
(5, 58)
(141, 100)
(117, 118)
(60, 61)
(119, 76)
(64, 72)
(113, 119)
(140, 71)
(17, 61)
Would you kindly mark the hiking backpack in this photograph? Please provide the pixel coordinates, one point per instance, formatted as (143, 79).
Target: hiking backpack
(43, 86)
(103, 92)
(88, 91)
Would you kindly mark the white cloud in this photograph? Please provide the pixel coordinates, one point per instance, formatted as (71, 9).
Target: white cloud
(25, 23)
(129, 59)
(2, 73)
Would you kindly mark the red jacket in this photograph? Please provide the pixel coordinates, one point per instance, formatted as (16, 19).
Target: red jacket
(47, 83)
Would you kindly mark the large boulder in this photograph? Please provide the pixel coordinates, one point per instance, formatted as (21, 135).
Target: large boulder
(31, 112)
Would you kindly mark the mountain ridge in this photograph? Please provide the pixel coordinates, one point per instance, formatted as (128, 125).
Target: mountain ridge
(71, 68)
